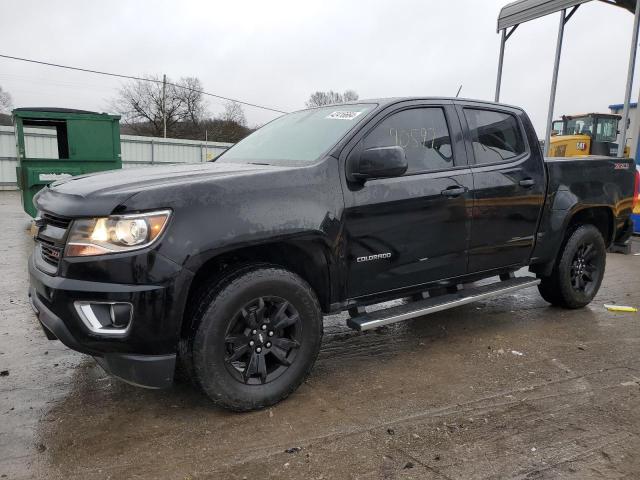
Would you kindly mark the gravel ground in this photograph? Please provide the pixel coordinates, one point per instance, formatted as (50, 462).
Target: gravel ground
(507, 388)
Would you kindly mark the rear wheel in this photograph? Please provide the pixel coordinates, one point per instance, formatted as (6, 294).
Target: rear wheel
(258, 336)
(579, 270)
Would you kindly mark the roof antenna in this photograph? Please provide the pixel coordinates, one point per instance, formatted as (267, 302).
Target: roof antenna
(459, 91)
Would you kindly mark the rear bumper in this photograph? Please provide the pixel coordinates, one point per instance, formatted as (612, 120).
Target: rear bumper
(151, 371)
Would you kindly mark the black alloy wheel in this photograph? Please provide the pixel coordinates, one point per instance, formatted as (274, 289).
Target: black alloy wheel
(585, 268)
(579, 269)
(254, 337)
(263, 340)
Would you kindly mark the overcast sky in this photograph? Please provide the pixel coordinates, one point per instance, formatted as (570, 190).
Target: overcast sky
(276, 53)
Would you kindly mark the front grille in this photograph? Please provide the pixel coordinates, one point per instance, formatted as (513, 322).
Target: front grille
(50, 253)
(52, 233)
(60, 222)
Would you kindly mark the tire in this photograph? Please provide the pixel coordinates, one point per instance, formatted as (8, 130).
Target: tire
(579, 269)
(257, 335)
(185, 368)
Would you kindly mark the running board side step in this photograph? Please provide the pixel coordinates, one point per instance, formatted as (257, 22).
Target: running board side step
(419, 308)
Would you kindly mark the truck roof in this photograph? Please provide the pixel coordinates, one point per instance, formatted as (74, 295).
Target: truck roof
(391, 100)
(592, 114)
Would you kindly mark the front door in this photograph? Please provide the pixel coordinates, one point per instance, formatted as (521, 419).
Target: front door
(413, 229)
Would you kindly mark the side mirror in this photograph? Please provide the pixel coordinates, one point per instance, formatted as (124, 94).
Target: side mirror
(378, 162)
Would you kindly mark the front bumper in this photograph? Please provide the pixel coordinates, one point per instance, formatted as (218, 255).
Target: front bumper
(146, 355)
(151, 371)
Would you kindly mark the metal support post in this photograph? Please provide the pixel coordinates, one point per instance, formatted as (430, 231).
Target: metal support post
(554, 83)
(630, 70)
(503, 40)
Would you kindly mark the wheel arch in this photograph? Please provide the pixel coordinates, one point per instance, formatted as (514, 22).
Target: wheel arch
(600, 216)
(308, 258)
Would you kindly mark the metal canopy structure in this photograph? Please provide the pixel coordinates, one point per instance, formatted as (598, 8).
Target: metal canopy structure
(525, 10)
(521, 11)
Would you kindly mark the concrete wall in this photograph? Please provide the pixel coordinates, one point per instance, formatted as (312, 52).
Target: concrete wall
(136, 151)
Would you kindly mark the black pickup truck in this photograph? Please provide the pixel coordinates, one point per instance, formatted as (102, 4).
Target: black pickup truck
(227, 268)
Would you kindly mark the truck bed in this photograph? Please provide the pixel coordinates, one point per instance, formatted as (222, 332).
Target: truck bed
(575, 183)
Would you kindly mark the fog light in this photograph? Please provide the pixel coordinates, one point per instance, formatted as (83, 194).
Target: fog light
(120, 314)
(105, 318)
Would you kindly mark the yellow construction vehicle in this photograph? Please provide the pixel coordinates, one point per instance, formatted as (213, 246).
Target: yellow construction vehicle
(588, 134)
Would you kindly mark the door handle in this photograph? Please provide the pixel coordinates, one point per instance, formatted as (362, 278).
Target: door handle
(453, 191)
(527, 182)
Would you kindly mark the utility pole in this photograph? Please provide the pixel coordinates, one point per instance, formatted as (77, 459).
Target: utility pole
(164, 104)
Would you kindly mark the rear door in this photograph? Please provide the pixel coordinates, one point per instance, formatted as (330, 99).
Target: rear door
(509, 185)
(413, 229)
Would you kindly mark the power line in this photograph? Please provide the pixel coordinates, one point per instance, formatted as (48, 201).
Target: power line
(131, 77)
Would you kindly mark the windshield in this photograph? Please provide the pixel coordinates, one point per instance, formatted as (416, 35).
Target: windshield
(607, 130)
(299, 137)
(580, 126)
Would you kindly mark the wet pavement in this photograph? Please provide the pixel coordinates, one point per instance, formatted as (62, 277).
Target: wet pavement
(507, 388)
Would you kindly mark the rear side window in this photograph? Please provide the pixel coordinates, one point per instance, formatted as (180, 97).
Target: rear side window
(421, 132)
(495, 136)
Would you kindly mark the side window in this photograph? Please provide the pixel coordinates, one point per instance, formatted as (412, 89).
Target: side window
(422, 132)
(496, 136)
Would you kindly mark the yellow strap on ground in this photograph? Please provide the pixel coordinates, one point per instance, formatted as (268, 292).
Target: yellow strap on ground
(620, 308)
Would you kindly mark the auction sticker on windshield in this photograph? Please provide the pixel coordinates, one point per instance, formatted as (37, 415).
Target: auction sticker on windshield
(343, 115)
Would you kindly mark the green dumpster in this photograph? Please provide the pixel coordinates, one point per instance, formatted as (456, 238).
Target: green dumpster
(86, 142)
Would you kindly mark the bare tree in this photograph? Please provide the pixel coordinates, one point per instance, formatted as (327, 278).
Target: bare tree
(350, 96)
(233, 112)
(219, 130)
(230, 126)
(318, 99)
(6, 103)
(193, 101)
(142, 107)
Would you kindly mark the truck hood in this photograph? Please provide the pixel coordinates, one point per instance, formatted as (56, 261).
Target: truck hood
(100, 193)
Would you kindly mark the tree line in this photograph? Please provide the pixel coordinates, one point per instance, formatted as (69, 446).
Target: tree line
(145, 104)
(149, 106)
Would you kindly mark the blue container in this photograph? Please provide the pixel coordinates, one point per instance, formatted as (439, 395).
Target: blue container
(636, 222)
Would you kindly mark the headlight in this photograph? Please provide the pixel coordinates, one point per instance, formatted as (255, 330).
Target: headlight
(117, 233)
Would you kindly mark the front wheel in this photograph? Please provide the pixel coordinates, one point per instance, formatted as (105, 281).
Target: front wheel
(258, 336)
(579, 270)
